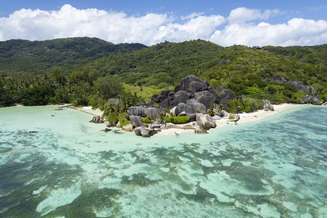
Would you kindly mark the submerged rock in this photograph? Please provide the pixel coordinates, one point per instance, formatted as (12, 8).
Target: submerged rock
(107, 130)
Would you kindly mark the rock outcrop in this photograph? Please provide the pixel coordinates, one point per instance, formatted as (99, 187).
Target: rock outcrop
(204, 121)
(195, 93)
(97, 119)
(267, 106)
(223, 96)
(310, 99)
(192, 84)
(135, 121)
(196, 106)
(144, 132)
(143, 111)
(206, 97)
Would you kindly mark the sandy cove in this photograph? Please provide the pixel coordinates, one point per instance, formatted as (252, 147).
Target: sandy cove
(173, 129)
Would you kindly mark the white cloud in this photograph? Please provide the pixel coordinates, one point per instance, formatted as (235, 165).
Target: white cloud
(242, 26)
(296, 31)
(242, 15)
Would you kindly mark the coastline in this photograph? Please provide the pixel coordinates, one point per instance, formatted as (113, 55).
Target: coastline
(88, 109)
(177, 129)
(244, 118)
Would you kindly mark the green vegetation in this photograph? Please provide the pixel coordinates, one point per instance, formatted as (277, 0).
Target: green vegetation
(122, 119)
(146, 120)
(181, 119)
(142, 92)
(245, 104)
(63, 54)
(88, 71)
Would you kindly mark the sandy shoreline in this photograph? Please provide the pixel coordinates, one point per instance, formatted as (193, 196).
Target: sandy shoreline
(185, 128)
(89, 110)
(244, 118)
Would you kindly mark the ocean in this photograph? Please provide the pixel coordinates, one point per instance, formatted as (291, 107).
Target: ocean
(57, 164)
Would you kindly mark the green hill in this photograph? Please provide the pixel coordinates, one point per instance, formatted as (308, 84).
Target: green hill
(91, 71)
(236, 67)
(40, 56)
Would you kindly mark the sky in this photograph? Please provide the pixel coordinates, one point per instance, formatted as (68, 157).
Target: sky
(224, 22)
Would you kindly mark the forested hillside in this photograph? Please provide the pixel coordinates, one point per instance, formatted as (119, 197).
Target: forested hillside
(40, 56)
(134, 72)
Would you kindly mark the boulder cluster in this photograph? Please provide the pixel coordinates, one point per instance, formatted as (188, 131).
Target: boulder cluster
(193, 97)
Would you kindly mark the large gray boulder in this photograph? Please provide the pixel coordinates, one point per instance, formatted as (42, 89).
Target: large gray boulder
(182, 107)
(206, 98)
(192, 84)
(168, 101)
(181, 96)
(204, 121)
(196, 106)
(135, 121)
(161, 96)
(223, 96)
(142, 111)
(153, 113)
(137, 111)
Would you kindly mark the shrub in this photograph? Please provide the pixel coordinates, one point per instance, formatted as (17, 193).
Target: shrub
(112, 118)
(245, 104)
(297, 97)
(146, 120)
(122, 119)
(177, 119)
(233, 105)
(251, 104)
(254, 92)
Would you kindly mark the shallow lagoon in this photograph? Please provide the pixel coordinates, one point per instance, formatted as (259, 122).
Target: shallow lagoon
(56, 164)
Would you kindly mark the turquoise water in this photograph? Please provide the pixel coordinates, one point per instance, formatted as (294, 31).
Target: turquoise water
(56, 164)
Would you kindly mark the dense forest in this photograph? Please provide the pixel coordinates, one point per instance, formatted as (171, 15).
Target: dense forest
(63, 54)
(89, 71)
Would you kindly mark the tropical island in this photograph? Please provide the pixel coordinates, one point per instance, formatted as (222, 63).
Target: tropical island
(189, 85)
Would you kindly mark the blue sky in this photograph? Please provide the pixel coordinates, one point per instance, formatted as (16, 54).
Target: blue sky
(310, 9)
(225, 22)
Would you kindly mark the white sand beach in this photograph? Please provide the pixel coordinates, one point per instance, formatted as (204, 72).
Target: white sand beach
(89, 110)
(244, 118)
